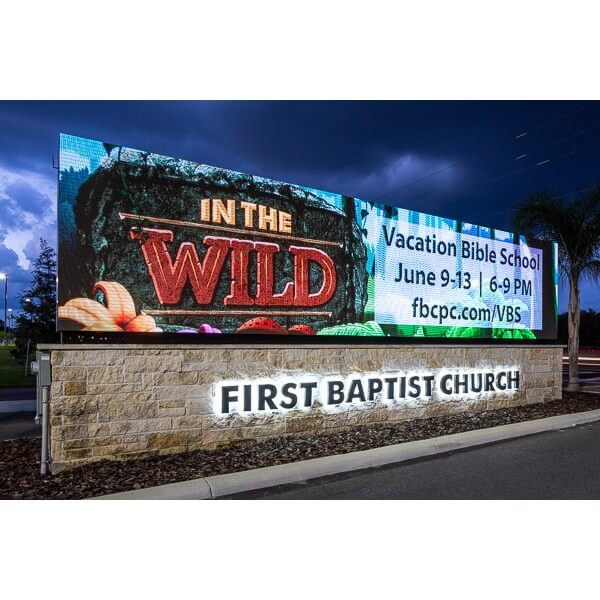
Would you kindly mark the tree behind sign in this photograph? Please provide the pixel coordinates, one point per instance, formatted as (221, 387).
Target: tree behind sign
(37, 319)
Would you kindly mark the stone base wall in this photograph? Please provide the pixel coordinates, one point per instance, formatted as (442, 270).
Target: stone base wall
(132, 401)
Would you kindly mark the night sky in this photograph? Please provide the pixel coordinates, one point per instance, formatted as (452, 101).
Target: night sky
(470, 161)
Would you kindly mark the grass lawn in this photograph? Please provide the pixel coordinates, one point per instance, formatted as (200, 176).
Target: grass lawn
(12, 374)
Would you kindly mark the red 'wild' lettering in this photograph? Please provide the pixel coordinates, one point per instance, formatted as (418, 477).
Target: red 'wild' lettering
(169, 277)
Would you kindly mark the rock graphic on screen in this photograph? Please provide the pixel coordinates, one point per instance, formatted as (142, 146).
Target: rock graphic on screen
(198, 245)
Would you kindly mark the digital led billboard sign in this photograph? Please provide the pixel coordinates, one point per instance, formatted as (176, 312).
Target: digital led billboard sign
(149, 243)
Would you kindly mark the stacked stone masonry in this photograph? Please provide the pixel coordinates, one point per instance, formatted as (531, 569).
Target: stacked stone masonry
(136, 401)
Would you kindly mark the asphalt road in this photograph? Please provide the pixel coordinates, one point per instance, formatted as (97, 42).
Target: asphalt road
(17, 400)
(11, 394)
(563, 464)
(17, 425)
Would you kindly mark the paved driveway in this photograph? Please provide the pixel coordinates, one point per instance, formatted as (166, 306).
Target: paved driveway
(561, 464)
(18, 425)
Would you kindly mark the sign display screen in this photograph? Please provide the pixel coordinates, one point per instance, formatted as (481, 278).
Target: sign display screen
(149, 243)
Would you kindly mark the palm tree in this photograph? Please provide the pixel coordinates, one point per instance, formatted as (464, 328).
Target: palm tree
(575, 226)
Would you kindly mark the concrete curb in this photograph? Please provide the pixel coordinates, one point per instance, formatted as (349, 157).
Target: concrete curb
(245, 481)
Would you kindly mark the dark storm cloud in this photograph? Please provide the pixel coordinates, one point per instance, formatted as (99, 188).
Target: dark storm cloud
(315, 138)
(18, 278)
(305, 142)
(8, 259)
(24, 197)
(320, 144)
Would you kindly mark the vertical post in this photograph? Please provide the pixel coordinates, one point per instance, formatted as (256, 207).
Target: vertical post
(5, 277)
(45, 401)
(27, 357)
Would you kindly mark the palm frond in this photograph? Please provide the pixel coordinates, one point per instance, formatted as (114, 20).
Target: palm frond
(574, 225)
(591, 271)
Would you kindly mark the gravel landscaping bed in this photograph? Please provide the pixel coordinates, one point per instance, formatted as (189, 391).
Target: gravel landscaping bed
(19, 459)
